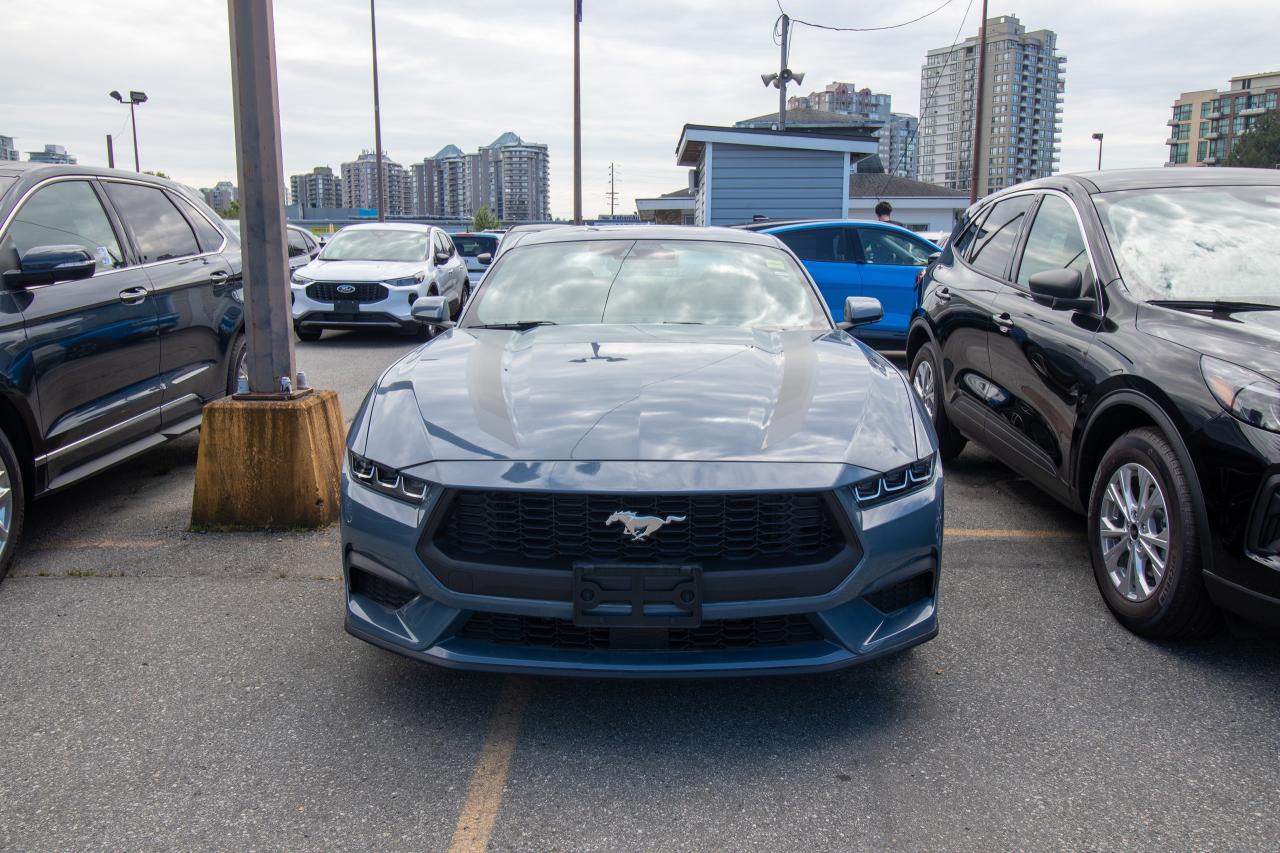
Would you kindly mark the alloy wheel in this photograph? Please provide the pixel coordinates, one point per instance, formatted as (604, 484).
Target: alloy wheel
(1133, 526)
(924, 385)
(6, 505)
(242, 369)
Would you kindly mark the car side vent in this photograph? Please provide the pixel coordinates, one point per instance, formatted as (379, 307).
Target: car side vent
(1267, 540)
(893, 598)
(384, 592)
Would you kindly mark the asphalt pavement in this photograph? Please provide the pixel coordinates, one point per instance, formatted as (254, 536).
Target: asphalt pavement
(164, 689)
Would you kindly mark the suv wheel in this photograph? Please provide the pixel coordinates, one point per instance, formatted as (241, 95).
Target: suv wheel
(239, 362)
(13, 506)
(307, 334)
(926, 379)
(1144, 540)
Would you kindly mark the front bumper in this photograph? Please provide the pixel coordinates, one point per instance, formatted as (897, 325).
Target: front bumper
(901, 542)
(395, 311)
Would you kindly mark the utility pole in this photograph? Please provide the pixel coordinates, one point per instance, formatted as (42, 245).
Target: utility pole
(577, 115)
(1098, 136)
(111, 153)
(612, 194)
(977, 105)
(377, 119)
(133, 122)
(782, 76)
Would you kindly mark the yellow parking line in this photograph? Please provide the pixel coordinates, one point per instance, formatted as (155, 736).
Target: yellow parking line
(998, 533)
(484, 794)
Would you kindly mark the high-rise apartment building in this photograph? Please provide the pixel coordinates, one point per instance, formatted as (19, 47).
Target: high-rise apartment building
(1206, 123)
(451, 183)
(846, 98)
(318, 188)
(7, 150)
(360, 182)
(513, 179)
(220, 195)
(51, 154)
(1022, 112)
(898, 145)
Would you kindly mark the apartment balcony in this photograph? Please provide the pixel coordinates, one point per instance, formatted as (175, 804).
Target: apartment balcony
(1173, 122)
(1213, 134)
(1213, 114)
(1252, 111)
(1173, 140)
(1211, 160)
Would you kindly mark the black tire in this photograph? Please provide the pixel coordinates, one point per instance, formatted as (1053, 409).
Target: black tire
(239, 348)
(309, 335)
(11, 478)
(950, 440)
(1177, 607)
(462, 300)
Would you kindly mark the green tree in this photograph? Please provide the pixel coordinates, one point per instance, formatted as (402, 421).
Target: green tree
(232, 211)
(157, 174)
(1260, 147)
(485, 220)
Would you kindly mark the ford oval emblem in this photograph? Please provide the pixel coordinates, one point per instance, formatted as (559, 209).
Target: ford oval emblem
(346, 288)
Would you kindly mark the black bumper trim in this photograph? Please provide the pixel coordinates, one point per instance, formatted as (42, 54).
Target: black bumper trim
(1243, 601)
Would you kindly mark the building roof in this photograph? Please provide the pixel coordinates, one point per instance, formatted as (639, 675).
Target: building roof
(881, 185)
(694, 136)
(683, 191)
(447, 152)
(507, 138)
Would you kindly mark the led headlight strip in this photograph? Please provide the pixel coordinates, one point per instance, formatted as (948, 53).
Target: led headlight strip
(895, 483)
(389, 481)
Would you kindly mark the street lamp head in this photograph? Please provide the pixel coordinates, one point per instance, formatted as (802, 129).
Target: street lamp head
(113, 93)
(768, 79)
(137, 97)
(1098, 136)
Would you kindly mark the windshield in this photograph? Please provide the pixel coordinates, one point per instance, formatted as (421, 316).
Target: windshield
(1196, 243)
(370, 244)
(471, 245)
(648, 281)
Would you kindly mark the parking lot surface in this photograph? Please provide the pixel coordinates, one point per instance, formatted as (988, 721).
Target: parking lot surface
(162, 688)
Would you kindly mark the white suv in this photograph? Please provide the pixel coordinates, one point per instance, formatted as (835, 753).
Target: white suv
(368, 277)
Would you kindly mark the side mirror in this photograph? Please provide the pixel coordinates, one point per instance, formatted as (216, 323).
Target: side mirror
(861, 310)
(1059, 289)
(49, 264)
(432, 310)
(442, 257)
(485, 258)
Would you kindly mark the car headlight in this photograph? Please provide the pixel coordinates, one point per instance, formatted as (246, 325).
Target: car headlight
(299, 278)
(387, 480)
(1251, 397)
(895, 483)
(407, 281)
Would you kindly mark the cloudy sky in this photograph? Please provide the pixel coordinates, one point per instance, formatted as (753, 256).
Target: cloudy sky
(465, 72)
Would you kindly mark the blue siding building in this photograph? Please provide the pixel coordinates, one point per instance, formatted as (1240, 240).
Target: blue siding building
(739, 174)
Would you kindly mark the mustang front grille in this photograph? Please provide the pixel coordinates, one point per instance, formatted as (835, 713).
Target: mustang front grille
(364, 291)
(512, 528)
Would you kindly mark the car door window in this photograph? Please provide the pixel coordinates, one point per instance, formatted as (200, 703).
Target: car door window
(210, 238)
(67, 213)
(994, 241)
(159, 229)
(881, 246)
(815, 244)
(310, 241)
(297, 245)
(446, 244)
(1054, 242)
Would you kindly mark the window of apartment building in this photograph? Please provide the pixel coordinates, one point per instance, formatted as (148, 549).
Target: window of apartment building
(1178, 153)
(1202, 150)
(1242, 102)
(1237, 126)
(1204, 128)
(1205, 109)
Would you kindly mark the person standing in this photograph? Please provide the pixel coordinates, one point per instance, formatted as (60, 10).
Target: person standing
(884, 213)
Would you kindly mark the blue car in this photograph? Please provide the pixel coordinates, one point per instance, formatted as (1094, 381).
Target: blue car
(851, 257)
(642, 451)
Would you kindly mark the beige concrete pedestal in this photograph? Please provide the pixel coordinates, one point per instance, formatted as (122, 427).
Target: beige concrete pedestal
(269, 464)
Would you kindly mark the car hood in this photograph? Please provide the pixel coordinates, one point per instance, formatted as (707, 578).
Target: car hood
(361, 270)
(1248, 338)
(640, 393)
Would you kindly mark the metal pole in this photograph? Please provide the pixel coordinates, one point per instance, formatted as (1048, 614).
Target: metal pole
(377, 119)
(1099, 153)
(577, 115)
(133, 120)
(613, 196)
(111, 153)
(260, 171)
(977, 105)
(782, 77)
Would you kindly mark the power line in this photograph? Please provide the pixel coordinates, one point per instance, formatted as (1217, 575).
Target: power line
(944, 5)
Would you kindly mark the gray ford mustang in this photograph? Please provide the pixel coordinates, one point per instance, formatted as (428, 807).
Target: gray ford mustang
(643, 451)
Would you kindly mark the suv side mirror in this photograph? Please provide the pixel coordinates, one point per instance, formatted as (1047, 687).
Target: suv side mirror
(485, 258)
(442, 257)
(50, 264)
(1059, 289)
(861, 310)
(433, 311)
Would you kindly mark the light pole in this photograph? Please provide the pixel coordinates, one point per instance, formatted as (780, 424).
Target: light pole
(377, 119)
(1098, 136)
(135, 98)
(783, 76)
(577, 114)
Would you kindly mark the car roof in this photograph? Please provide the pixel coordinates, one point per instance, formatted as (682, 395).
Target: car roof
(574, 233)
(388, 226)
(1164, 177)
(780, 227)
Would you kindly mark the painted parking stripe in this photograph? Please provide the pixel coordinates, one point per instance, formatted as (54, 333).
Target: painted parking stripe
(484, 794)
(1000, 533)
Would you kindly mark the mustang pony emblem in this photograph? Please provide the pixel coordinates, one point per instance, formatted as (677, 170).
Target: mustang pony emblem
(640, 526)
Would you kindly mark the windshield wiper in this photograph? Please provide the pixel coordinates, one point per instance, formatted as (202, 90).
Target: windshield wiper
(1213, 305)
(518, 326)
(683, 323)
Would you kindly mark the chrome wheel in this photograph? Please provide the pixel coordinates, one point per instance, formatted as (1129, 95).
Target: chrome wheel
(242, 368)
(924, 385)
(6, 505)
(1133, 526)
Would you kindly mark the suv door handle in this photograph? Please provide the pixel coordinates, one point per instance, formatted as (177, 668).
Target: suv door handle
(1003, 320)
(218, 276)
(133, 295)
(943, 294)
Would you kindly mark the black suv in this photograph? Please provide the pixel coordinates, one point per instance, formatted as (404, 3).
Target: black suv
(1115, 337)
(121, 315)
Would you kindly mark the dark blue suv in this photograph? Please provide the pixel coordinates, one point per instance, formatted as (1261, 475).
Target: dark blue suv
(851, 257)
(121, 314)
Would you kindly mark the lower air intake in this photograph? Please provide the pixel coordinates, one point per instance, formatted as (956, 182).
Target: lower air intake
(712, 635)
(384, 592)
(894, 598)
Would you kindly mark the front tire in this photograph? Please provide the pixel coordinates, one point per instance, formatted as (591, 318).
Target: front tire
(309, 335)
(237, 364)
(13, 506)
(1145, 540)
(926, 379)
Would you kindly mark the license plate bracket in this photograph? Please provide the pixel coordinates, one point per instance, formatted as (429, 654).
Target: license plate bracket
(346, 306)
(636, 595)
